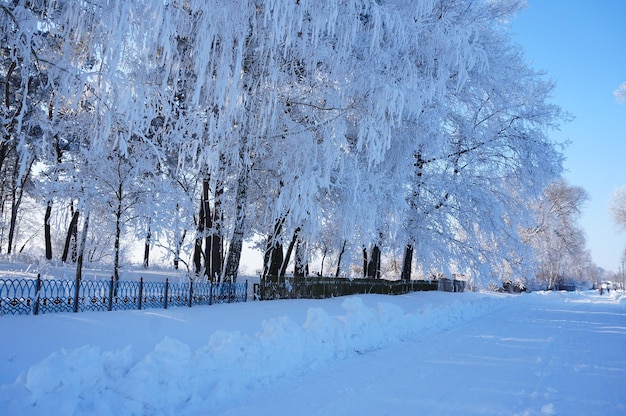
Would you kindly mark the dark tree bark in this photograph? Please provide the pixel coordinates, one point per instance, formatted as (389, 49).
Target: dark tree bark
(324, 253)
(301, 266)
(46, 230)
(343, 249)
(364, 261)
(373, 267)
(216, 250)
(146, 249)
(17, 192)
(241, 197)
(202, 222)
(276, 260)
(208, 225)
(14, 207)
(272, 259)
(179, 244)
(74, 245)
(407, 262)
(216, 257)
(59, 158)
(81, 248)
(72, 233)
(283, 269)
(118, 233)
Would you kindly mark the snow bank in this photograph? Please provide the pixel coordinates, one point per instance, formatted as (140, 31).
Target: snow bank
(175, 379)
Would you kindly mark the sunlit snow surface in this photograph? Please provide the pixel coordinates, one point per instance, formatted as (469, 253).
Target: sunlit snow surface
(426, 353)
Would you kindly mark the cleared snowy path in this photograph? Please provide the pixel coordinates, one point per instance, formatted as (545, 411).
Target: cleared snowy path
(539, 355)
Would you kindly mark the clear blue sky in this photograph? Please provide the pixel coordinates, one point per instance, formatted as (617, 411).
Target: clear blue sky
(581, 44)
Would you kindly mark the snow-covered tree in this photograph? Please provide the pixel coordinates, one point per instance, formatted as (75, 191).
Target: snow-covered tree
(556, 238)
(618, 207)
(323, 125)
(484, 149)
(26, 81)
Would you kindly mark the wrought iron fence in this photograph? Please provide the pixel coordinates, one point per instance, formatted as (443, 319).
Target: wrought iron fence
(35, 296)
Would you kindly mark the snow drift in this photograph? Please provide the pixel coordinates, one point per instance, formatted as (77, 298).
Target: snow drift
(174, 378)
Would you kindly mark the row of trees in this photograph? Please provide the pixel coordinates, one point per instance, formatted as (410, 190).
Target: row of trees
(342, 129)
(618, 211)
(557, 241)
(618, 202)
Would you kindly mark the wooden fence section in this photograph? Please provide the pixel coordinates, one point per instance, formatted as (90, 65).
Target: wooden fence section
(326, 287)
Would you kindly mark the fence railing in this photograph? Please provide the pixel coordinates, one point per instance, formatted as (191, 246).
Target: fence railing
(37, 296)
(326, 287)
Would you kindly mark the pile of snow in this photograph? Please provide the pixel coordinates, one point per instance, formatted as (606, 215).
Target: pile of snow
(428, 353)
(176, 378)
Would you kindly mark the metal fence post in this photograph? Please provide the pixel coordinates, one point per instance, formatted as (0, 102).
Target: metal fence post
(140, 291)
(111, 295)
(37, 289)
(167, 287)
(245, 299)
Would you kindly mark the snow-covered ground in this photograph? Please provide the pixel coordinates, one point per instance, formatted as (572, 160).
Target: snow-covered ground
(427, 353)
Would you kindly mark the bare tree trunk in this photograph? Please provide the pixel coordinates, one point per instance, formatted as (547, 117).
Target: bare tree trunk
(364, 261)
(283, 269)
(14, 206)
(118, 233)
(321, 272)
(208, 224)
(81, 248)
(46, 230)
(17, 192)
(373, 267)
(407, 263)
(74, 243)
(4, 150)
(146, 249)
(59, 159)
(343, 249)
(273, 256)
(179, 244)
(197, 252)
(72, 231)
(301, 266)
(236, 243)
(277, 260)
(216, 252)
(216, 256)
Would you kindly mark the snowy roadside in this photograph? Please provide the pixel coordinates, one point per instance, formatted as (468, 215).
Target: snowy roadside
(160, 362)
(541, 354)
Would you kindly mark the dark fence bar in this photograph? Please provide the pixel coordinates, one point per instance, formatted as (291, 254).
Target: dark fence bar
(39, 296)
